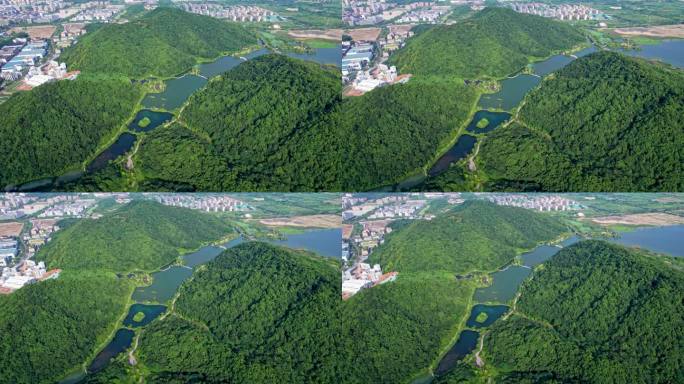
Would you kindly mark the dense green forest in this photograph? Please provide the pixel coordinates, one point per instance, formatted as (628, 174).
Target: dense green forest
(260, 313)
(264, 313)
(50, 328)
(142, 235)
(495, 42)
(598, 313)
(606, 122)
(477, 235)
(58, 126)
(163, 42)
(276, 123)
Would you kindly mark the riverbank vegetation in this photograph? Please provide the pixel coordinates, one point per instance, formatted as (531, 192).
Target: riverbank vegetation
(50, 328)
(493, 43)
(164, 42)
(606, 122)
(596, 312)
(142, 235)
(57, 126)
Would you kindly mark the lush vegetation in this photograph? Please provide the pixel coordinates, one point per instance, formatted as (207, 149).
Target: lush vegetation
(50, 328)
(596, 313)
(276, 123)
(163, 42)
(57, 126)
(476, 236)
(493, 43)
(257, 313)
(142, 235)
(606, 122)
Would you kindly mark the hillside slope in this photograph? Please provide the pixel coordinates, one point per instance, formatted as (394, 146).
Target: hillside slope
(163, 42)
(276, 123)
(606, 122)
(261, 313)
(478, 236)
(596, 313)
(49, 328)
(57, 126)
(143, 235)
(495, 42)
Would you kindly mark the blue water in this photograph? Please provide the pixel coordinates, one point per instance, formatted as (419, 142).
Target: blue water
(325, 242)
(668, 51)
(668, 240)
(495, 120)
(466, 343)
(151, 312)
(156, 119)
(494, 312)
(504, 286)
(460, 150)
(322, 56)
(122, 340)
(122, 145)
(177, 91)
(512, 91)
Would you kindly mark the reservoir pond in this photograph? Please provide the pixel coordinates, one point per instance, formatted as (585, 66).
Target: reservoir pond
(150, 313)
(325, 242)
(121, 342)
(322, 55)
(122, 145)
(504, 286)
(155, 119)
(175, 93)
(512, 91)
(495, 119)
(466, 343)
(164, 284)
(460, 150)
(492, 312)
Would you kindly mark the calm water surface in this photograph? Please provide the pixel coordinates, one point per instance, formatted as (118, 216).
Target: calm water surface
(668, 51)
(494, 312)
(156, 119)
(467, 341)
(122, 340)
(460, 150)
(512, 91)
(495, 120)
(504, 286)
(668, 240)
(122, 145)
(151, 312)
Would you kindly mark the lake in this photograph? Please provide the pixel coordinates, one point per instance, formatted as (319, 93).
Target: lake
(668, 240)
(156, 119)
(551, 64)
(121, 342)
(322, 55)
(544, 252)
(512, 91)
(151, 312)
(460, 150)
(325, 242)
(122, 145)
(466, 343)
(668, 51)
(495, 119)
(176, 92)
(164, 285)
(504, 286)
(493, 312)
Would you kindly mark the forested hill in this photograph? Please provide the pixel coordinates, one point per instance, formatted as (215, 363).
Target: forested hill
(57, 126)
(606, 122)
(493, 43)
(475, 236)
(164, 42)
(597, 313)
(142, 235)
(257, 313)
(49, 328)
(276, 123)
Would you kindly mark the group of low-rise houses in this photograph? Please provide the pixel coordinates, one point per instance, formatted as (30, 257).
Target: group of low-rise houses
(242, 13)
(203, 202)
(16, 59)
(542, 203)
